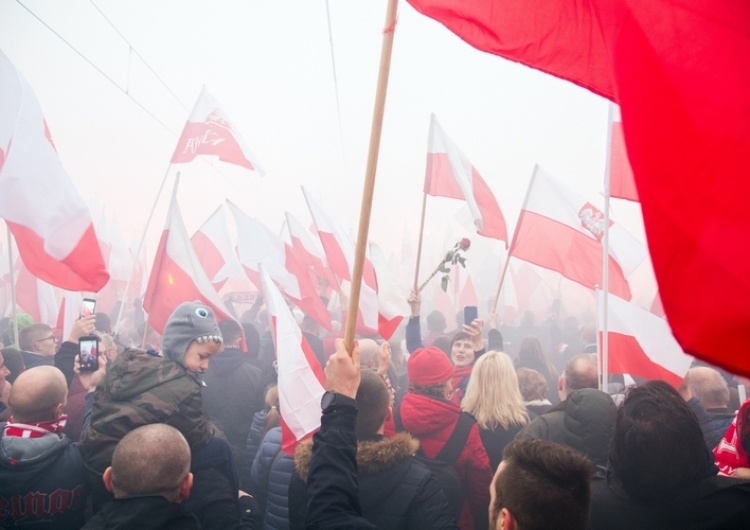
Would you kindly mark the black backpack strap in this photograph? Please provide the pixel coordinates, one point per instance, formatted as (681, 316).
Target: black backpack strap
(397, 418)
(455, 444)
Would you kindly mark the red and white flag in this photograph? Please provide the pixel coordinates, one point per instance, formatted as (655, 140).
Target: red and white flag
(35, 297)
(621, 179)
(450, 174)
(257, 245)
(467, 294)
(339, 249)
(392, 306)
(48, 218)
(214, 248)
(560, 230)
(301, 380)
(641, 343)
(309, 250)
(209, 131)
(177, 276)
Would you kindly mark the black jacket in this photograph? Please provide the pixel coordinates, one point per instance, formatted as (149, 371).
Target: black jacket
(144, 513)
(395, 490)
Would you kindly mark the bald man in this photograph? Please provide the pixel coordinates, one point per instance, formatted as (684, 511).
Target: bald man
(149, 476)
(42, 476)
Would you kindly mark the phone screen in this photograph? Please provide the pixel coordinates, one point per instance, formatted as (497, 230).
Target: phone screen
(470, 314)
(88, 308)
(88, 351)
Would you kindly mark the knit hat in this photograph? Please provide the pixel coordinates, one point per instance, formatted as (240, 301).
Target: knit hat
(191, 321)
(429, 366)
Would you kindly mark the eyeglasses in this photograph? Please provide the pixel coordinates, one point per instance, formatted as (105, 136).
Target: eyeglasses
(48, 338)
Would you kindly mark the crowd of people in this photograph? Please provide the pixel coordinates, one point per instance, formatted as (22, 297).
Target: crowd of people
(454, 429)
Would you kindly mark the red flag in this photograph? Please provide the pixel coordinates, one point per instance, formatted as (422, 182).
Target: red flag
(209, 131)
(177, 276)
(559, 230)
(450, 174)
(301, 380)
(621, 178)
(641, 343)
(50, 221)
(35, 297)
(679, 72)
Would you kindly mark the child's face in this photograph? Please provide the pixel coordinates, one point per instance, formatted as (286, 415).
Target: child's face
(198, 354)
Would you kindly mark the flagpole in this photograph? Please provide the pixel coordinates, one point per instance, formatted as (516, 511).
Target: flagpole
(143, 239)
(419, 245)
(372, 163)
(605, 254)
(12, 286)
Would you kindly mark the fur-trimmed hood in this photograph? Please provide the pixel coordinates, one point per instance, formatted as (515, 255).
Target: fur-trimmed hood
(373, 456)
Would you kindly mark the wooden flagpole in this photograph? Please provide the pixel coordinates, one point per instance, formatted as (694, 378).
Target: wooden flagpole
(419, 245)
(372, 164)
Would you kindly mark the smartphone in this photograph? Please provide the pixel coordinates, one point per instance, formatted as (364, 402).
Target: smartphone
(88, 308)
(471, 313)
(88, 353)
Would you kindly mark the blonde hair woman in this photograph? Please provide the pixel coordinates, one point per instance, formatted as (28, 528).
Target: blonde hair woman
(494, 399)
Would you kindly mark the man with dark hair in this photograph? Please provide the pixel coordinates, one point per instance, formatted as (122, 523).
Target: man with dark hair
(38, 345)
(539, 485)
(584, 419)
(42, 476)
(395, 491)
(662, 475)
(149, 476)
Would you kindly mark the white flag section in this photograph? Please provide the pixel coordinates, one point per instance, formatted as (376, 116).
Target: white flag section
(392, 306)
(71, 311)
(641, 343)
(301, 381)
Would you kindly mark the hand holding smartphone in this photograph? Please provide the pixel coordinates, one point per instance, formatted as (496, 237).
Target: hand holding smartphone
(88, 353)
(88, 308)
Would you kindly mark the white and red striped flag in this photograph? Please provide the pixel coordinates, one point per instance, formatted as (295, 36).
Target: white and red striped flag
(621, 179)
(450, 174)
(301, 380)
(177, 276)
(209, 131)
(50, 221)
(560, 230)
(214, 248)
(309, 250)
(640, 343)
(257, 245)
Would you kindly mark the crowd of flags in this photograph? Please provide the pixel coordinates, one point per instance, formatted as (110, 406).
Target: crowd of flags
(557, 229)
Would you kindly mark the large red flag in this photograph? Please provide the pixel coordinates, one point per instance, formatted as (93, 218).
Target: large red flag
(559, 230)
(50, 221)
(209, 131)
(177, 276)
(678, 70)
(450, 174)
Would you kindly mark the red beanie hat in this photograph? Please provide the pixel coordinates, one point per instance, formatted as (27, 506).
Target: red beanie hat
(429, 367)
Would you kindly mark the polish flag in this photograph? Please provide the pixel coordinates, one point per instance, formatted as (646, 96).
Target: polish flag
(340, 250)
(301, 380)
(48, 218)
(209, 131)
(450, 174)
(559, 230)
(215, 250)
(641, 343)
(621, 179)
(35, 297)
(392, 306)
(257, 245)
(177, 276)
(309, 250)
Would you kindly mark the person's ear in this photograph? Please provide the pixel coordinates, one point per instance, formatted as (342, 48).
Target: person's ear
(107, 479)
(185, 487)
(507, 521)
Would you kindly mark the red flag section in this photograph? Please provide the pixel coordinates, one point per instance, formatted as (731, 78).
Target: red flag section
(35, 297)
(678, 70)
(177, 276)
(209, 131)
(559, 230)
(48, 218)
(450, 174)
(621, 178)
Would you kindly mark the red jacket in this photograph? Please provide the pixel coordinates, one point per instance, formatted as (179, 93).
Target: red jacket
(432, 421)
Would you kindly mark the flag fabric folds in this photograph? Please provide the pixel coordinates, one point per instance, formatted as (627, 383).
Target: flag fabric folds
(209, 131)
(621, 178)
(309, 250)
(215, 251)
(177, 276)
(50, 221)
(560, 230)
(641, 343)
(301, 380)
(35, 296)
(450, 174)
(678, 70)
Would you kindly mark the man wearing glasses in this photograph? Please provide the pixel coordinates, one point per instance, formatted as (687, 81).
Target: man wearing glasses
(38, 345)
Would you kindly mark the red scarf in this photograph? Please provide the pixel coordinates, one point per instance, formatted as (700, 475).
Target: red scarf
(34, 430)
(729, 453)
(461, 373)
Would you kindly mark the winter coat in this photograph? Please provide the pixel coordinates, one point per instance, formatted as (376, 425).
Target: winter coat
(144, 513)
(495, 440)
(252, 444)
(140, 389)
(395, 490)
(585, 422)
(49, 468)
(432, 421)
(269, 480)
